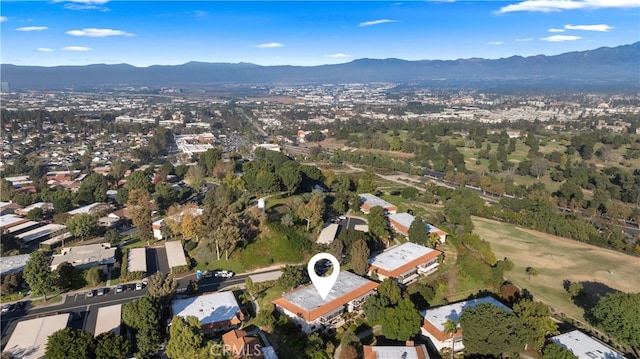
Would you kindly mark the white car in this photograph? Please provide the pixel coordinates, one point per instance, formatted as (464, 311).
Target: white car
(224, 274)
(138, 286)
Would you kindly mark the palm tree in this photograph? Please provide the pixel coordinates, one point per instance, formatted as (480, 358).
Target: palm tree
(451, 328)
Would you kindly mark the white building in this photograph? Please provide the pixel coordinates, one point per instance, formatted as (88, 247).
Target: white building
(305, 307)
(405, 263)
(217, 312)
(586, 347)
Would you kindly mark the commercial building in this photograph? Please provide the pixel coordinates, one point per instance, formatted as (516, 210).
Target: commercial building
(305, 307)
(405, 263)
(30, 336)
(91, 255)
(409, 351)
(434, 319)
(328, 233)
(369, 201)
(586, 347)
(217, 312)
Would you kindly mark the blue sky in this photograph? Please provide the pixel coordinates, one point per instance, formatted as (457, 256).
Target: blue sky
(144, 33)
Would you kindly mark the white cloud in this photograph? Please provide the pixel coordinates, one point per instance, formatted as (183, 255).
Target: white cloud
(32, 28)
(200, 14)
(495, 42)
(3, 18)
(98, 32)
(556, 30)
(524, 39)
(560, 38)
(269, 45)
(376, 22)
(44, 49)
(598, 27)
(76, 48)
(560, 5)
(84, 4)
(338, 56)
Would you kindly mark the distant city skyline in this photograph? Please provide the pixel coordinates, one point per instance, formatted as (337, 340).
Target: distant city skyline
(145, 33)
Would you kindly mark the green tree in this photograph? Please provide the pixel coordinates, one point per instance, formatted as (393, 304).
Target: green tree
(531, 272)
(35, 214)
(140, 210)
(360, 257)
(418, 232)
(162, 286)
(401, 322)
(618, 314)
(290, 177)
(70, 343)
(82, 225)
(489, 330)
(139, 180)
(367, 183)
(575, 289)
(557, 351)
(147, 342)
(165, 196)
(537, 321)
(313, 211)
(409, 193)
(64, 274)
(293, 276)
(265, 319)
(451, 328)
(208, 160)
(93, 188)
(94, 276)
(185, 339)
(378, 222)
(6, 190)
(390, 290)
(37, 273)
(112, 237)
(112, 346)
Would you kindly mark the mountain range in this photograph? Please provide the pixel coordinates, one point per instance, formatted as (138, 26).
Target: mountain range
(606, 65)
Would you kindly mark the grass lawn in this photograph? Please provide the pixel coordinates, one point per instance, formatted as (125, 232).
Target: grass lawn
(57, 298)
(13, 297)
(557, 259)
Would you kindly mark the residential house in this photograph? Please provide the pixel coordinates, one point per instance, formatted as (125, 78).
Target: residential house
(8, 208)
(306, 308)
(408, 351)
(240, 345)
(405, 263)
(369, 201)
(401, 222)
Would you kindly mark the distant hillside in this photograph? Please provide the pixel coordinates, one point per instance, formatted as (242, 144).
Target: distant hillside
(604, 65)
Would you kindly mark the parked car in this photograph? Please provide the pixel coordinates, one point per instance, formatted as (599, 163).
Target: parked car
(224, 274)
(90, 294)
(119, 288)
(6, 308)
(207, 274)
(101, 291)
(76, 316)
(138, 286)
(20, 305)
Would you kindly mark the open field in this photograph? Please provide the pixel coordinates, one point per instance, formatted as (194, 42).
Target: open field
(557, 259)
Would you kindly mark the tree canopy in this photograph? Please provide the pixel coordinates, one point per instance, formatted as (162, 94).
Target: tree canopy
(37, 273)
(185, 339)
(619, 315)
(490, 330)
(70, 343)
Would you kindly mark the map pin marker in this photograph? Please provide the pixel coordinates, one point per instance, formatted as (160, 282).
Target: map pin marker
(323, 284)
